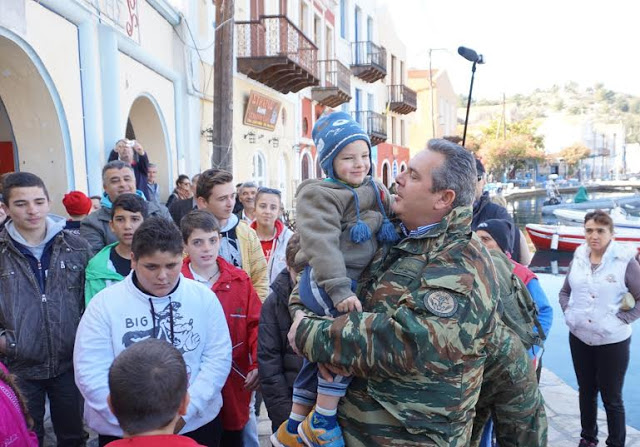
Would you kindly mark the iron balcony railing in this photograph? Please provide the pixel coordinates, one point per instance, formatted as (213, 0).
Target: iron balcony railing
(276, 36)
(373, 123)
(401, 94)
(368, 53)
(334, 74)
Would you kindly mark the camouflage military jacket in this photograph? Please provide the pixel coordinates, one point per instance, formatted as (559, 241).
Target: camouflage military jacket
(418, 349)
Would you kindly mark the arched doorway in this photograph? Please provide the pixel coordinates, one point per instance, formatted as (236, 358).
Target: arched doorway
(259, 169)
(385, 174)
(146, 125)
(33, 129)
(305, 167)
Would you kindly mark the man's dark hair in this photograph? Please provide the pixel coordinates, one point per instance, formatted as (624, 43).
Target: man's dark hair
(132, 203)
(114, 164)
(458, 171)
(198, 220)
(20, 180)
(156, 234)
(210, 178)
(147, 383)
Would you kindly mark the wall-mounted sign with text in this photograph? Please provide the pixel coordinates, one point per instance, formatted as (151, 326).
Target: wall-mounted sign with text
(262, 111)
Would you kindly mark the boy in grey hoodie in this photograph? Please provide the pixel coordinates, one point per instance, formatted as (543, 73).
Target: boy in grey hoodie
(41, 284)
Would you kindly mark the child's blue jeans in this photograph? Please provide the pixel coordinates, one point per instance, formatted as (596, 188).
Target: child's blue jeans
(308, 382)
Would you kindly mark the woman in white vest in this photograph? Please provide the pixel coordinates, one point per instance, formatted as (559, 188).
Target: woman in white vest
(600, 299)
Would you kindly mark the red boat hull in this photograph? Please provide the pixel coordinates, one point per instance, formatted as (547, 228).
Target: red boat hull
(549, 237)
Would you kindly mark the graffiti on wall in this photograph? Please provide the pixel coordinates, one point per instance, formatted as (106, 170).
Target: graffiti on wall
(121, 14)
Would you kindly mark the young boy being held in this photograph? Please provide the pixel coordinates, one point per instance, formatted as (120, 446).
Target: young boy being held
(340, 220)
(149, 401)
(113, 263)
(241, 305)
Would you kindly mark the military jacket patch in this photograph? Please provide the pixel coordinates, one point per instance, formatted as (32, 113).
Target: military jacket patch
(442, 304)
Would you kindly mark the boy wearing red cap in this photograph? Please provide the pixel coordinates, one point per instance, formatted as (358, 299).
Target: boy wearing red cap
(78, 206)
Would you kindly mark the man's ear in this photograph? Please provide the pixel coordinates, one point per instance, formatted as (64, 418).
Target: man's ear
(201, 203)
(182, 409)
(109, 402)
(447, 197)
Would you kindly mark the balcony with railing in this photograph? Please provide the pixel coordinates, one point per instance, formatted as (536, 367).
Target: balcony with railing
(374, 124)
(368, 61)
(273, 51)
(402, 99)
(335, 84)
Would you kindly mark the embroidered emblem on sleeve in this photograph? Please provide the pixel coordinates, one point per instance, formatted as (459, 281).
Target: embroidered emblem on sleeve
(441, 303)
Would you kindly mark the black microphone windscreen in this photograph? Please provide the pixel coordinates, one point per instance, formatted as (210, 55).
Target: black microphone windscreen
(468, 54)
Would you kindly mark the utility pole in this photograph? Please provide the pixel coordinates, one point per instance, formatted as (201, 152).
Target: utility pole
(222, 156)
(504, 116)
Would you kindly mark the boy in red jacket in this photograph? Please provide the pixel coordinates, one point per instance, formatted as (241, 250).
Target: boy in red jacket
(148, 395)
(241, 304)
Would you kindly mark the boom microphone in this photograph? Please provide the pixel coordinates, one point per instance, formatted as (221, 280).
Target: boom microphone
(470, 55)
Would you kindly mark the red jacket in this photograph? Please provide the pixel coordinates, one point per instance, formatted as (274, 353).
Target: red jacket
(241, 306)
(155, 441)
(523, 273)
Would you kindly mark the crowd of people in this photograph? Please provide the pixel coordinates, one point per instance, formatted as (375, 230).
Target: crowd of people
(404, 319)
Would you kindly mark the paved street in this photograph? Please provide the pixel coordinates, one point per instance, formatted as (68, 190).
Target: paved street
(564, 417)
(562, 412)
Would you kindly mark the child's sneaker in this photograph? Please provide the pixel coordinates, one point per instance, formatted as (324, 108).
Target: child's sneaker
(284, 438)
(314, 435)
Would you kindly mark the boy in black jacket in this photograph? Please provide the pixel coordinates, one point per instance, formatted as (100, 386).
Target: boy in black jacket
(42, 289)
(278, 364)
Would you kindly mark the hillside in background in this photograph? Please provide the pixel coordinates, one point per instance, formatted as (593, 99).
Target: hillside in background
(572, 101)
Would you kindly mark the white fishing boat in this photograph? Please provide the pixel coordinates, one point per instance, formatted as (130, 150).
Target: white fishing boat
(621, 218)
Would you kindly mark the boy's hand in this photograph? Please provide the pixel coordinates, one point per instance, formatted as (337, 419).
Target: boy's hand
(349, 304)
(252, 381)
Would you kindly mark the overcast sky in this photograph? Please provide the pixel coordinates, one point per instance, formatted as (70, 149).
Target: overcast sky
(526, 44)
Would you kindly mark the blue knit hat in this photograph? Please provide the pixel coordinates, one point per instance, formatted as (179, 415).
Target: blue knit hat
(332, 133)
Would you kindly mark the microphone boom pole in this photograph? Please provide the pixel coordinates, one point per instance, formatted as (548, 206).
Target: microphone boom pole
(476, 58)
(466, 119)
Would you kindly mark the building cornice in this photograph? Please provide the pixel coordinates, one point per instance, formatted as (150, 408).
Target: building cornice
(167, 11)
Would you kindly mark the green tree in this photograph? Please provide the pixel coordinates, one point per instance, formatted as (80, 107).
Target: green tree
(505, 152)
(573, 154)
(558, 105)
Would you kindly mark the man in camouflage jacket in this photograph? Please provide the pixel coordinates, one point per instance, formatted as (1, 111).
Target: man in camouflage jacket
(418, 351)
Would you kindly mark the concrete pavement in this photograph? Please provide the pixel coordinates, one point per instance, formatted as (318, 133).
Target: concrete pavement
(562, 414)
